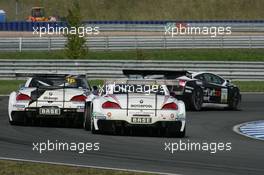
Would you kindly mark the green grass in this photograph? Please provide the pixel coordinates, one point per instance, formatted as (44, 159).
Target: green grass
(143, 9)
(250, 86)
(180, 54)
(7, 86)
(96, 82)
(26, 168)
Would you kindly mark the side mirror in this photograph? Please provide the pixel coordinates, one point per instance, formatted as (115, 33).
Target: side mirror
(228, 81)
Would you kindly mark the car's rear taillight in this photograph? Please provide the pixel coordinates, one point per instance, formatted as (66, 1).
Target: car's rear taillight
(170, 106)
(79, 98)
(182, 83)
(110, 105)
(22, 97)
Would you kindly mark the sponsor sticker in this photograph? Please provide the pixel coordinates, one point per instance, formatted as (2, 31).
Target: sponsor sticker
(224, 93)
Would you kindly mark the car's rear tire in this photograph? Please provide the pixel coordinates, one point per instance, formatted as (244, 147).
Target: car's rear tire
(233, 103)
(26, 120)
(12, 122)
(181, 134)
(119, 130)
(174, 131)
(19, 118)
(196, 99)
(87, 118)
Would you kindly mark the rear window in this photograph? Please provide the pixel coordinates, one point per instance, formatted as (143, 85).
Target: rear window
(67, 82)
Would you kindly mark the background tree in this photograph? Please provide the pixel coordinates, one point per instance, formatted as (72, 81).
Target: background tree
(75, 47)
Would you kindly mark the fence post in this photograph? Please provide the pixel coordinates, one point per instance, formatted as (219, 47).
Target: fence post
(136, 43)
(106, 42)
(193, 42)
(250, 42)
(165, 42)
(49, 44)
(222, 41)
(20, 44)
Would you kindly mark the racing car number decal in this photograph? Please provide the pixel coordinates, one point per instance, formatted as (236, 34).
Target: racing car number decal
(140, 120)
(49, 111)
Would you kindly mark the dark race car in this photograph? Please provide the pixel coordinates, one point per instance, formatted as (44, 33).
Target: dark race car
(196, 89)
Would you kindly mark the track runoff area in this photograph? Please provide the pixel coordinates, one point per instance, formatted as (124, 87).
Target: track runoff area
(222, 150)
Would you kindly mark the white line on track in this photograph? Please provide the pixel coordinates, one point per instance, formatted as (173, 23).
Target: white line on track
(85, 166)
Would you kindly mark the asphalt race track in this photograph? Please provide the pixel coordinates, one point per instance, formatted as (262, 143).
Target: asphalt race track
(146, 152)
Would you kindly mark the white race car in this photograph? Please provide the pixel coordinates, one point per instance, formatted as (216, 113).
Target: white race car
(52, 96)
(126, 104)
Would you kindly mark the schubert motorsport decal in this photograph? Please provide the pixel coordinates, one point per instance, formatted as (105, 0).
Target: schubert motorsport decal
(141, 105)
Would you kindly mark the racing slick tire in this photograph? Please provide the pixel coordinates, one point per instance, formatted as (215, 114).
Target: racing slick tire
(19, 119)
(196, 100)
(87, 118)
(173, 131)
(233, 103)
(12, 122)
(181, 134)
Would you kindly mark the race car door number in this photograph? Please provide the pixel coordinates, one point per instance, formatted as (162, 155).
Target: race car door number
(49, 111)
(140, 120)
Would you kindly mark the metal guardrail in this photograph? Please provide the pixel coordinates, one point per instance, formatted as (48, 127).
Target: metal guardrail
(133, 42)
(104, 69)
